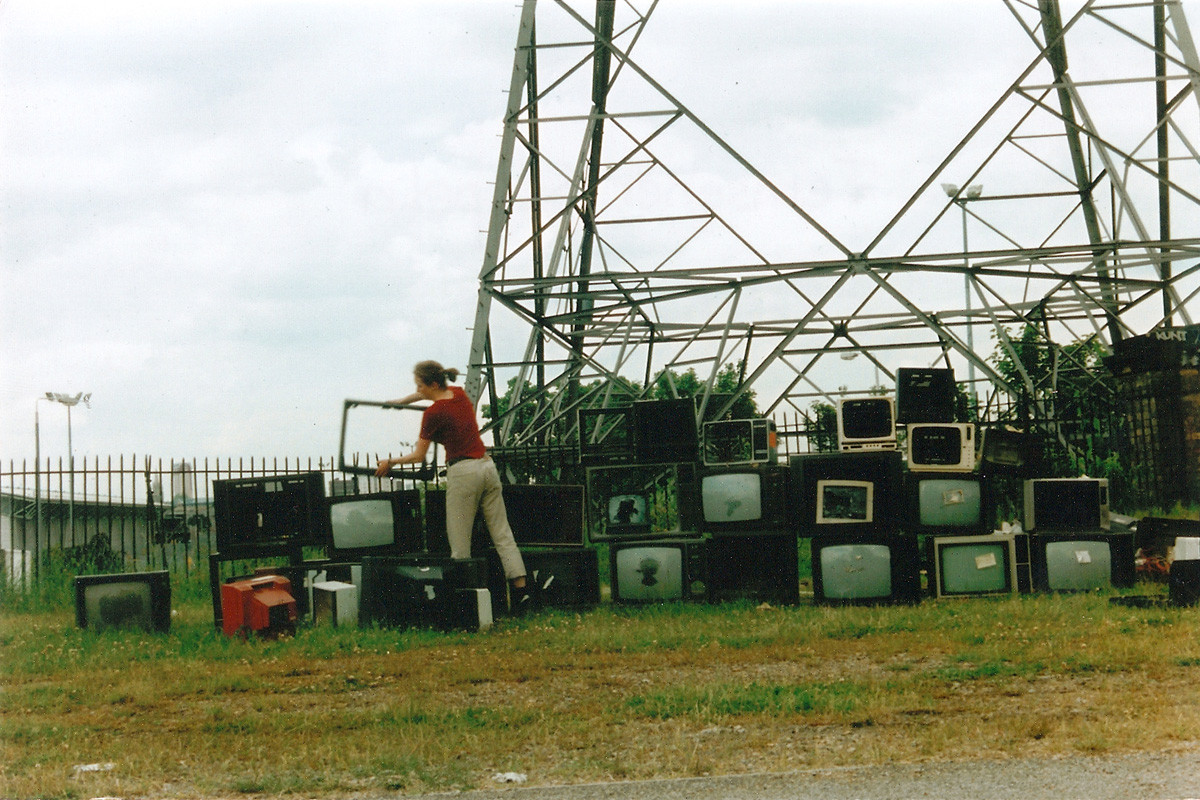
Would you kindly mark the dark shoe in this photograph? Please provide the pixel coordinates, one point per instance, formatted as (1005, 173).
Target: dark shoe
(523, 603)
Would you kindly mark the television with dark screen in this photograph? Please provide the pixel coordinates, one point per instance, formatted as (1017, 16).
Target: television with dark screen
(556, 577)
(605, 435)
(947, 447)
(763, 567)
(925, 394)
(747, 498)
(1066, 504)
(416, 590)
(973, 566)
(865, 569)
(659, 570)
(866, 423)
(665, 430)
(739, 441)
(948, 503)
(638, 500)
(543, 514)
(846, 492)
(281, 511)
(131, 601)
(1005, 451)
(380, 523)
(1081, 561)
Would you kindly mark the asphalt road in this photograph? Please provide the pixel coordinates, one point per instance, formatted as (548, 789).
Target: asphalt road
(1143, 776)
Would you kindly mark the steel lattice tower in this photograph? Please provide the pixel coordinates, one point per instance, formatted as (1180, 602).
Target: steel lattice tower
(606, 264)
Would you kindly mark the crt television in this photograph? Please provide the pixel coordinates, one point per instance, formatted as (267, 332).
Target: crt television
(972, 566)
(739, 441)
(665, 430)
(543, 514)
(636, 501)
(746, 498)
(659, 571)
(1066, 504)
(130, 601)
(865, 569)
(925, 394)
(845, 492)
(941, 447)
(948, 503)
(763, 567)
(605, 435)
(866, 423)
(1081, 561)
(270, 511)
(380, 522)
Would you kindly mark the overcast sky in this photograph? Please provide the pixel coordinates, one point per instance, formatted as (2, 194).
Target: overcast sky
(224, 218)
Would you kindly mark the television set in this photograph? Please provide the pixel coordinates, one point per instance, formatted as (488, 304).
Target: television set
(637, 500)
(947, 447)
(739, 441)
(335, 603)
(556, 577)
(130, 601)
(263, 605)
(1006, 451)
(658, 571)
(948, 503)
(380, 522)
(605, 435)
(273, 511)
(743, 498)
(866, 423)
(762, 567)
(1081, 561)
(973, 566)
(372, 429)
(925, 394)
(1066, 504)
(854, 492)
(665, 431)
(417, 590)
(865, 569)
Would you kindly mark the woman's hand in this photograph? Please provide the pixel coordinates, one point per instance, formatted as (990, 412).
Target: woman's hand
(383, 468)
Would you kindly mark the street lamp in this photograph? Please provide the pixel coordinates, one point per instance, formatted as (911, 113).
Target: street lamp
(972, 192)
(70, 401)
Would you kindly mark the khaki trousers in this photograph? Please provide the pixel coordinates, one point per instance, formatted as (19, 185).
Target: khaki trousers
(474, 485)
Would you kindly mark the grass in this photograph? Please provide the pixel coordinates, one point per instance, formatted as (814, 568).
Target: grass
(609, 694)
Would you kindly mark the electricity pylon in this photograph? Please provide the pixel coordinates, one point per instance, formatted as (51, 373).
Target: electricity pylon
(610, 262)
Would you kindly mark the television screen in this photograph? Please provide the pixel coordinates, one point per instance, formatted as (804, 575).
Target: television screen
(415, 590)
(543, 513)
(665, 430)
(941, 447)
(973, 565)
(866, 423)
(637, 500)
(749, 498)
(1004, 451)
(557, 577)
(1066, 504)
(371, 430)
(925, 394)
(852, 492)
(605, 435)
(739, 441)
(657, 571)
(381, 522)
(865, 569)
(1082, 561)
(763, 567)
(948, 503)
(280, 511)
(131, 601)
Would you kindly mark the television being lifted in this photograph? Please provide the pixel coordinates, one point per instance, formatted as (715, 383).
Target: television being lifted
(378, 523)
(130, 601)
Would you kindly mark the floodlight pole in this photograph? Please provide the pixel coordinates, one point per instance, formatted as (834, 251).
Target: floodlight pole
(972, 192)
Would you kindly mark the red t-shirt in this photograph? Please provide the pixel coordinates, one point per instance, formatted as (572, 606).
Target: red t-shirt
(451, 423)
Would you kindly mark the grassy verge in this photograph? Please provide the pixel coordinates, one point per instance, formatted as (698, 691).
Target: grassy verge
(610, 694)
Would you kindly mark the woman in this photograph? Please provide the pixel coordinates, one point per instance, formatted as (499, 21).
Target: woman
(472, 481)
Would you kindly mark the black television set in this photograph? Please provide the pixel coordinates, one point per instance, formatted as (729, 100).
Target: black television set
(605, 435)
(378, 522)
(925, 394)
(665, 431)
(129, 601)
(638, 500)
(417, 590)
(543, 514)
(972, 566)
(762, 567)
(556, 577)
(659, 570)
(866, 423)
(846, 492)
(865, 569)
(948, 503)
(1081, 561)
(945, 447)
(272, 511)
(1006, 451)
(1066, 504)
(739, 441)
(743, 498)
